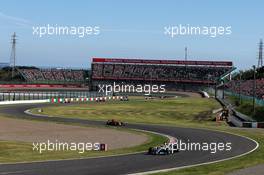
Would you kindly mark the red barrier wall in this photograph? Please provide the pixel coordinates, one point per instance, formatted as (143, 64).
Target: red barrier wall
(44, 86)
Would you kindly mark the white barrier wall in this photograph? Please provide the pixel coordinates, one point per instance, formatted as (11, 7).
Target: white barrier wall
(23, 102)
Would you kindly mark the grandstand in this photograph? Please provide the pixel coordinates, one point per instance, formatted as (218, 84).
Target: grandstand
(170, 72)
(52, 75)
(34, 78)
(176, 74)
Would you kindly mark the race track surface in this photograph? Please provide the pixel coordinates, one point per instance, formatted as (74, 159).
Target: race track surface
(125, 164)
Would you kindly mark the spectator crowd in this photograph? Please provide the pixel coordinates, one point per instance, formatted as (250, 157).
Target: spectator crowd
(157, 72)
(243, 82)
(245, 87)
(52, 75)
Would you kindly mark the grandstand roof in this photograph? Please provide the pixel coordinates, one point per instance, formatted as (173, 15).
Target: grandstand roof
(173, 62)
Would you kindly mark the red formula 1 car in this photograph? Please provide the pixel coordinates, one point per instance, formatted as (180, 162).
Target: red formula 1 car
(114, 122)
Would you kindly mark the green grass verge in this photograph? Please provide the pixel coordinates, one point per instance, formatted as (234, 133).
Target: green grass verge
(167, 111)
(182, 112)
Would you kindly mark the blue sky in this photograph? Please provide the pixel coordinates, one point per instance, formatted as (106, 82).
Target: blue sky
(130, 29)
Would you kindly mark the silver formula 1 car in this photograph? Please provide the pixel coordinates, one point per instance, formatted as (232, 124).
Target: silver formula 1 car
(165, 149)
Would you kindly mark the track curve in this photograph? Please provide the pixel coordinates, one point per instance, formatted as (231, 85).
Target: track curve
(132, 163)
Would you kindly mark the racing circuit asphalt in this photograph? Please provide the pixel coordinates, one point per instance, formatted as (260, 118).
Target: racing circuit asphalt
(126, 164)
